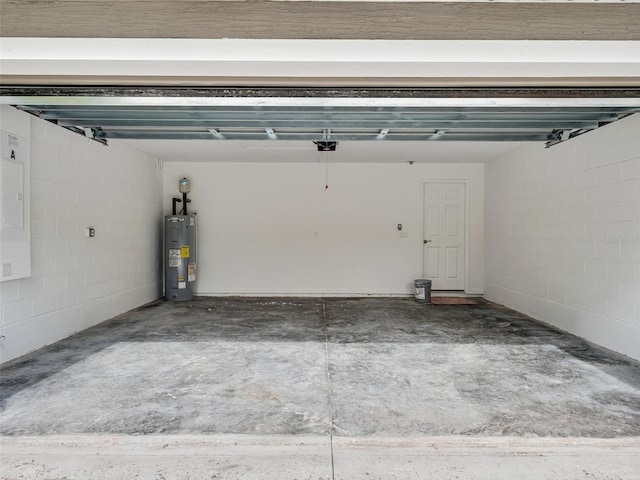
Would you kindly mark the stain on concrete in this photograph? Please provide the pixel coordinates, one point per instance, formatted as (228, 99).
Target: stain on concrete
(384, 367)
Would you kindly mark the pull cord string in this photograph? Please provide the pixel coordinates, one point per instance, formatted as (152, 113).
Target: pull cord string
(326, 171)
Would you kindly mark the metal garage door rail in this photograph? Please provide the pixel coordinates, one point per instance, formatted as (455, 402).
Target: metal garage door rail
(550, 115)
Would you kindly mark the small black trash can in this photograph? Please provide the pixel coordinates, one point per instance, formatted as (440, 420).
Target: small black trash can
(423, 290)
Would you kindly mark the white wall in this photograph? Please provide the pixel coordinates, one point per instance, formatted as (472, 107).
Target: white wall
(270, 228)
(563, 234)
(77, 282)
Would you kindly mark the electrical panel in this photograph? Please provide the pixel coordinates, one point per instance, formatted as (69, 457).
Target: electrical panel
(15, 253)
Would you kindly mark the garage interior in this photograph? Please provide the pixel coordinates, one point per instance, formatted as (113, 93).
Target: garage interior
(304, 353)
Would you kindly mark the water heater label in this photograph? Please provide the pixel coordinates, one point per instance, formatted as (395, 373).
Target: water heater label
(185, 251)
(175, 262)
(174, 253)
(191, 272)
(182, 284)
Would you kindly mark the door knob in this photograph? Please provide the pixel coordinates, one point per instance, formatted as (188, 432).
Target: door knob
(427, 241)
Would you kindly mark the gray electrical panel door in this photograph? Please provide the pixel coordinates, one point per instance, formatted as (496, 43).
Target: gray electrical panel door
(179, 257)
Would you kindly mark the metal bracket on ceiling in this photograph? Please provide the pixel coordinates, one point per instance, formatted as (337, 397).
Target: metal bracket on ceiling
(216, 133)
(560, 136)
(437, 135)
(326, 145)
(89, 133)
(383, 133)
(271, 134)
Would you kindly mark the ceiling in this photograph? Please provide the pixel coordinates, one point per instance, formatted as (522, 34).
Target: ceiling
(306, 152)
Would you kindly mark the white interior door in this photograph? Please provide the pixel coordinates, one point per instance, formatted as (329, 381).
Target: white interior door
(444, 236)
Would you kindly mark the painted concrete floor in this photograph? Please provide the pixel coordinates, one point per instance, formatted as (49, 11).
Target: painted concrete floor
(320, 388)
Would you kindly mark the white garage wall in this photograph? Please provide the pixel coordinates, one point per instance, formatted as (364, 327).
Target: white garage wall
(77, 282)
(563, 234)
(270, 228)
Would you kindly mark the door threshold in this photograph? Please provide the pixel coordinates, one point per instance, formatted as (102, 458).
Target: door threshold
(453, 293)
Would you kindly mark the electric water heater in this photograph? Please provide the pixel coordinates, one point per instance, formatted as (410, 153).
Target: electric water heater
(180, 249)
(180, 257)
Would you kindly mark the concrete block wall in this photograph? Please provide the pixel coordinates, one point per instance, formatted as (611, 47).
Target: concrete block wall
(78, 282)
(563, 234)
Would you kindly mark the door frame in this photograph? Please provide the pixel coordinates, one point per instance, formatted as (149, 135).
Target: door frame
(467, 234)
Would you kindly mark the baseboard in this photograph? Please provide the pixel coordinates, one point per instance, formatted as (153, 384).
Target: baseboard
(302, 295)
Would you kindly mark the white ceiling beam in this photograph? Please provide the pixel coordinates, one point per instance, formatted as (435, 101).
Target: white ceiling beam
(37, 59)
